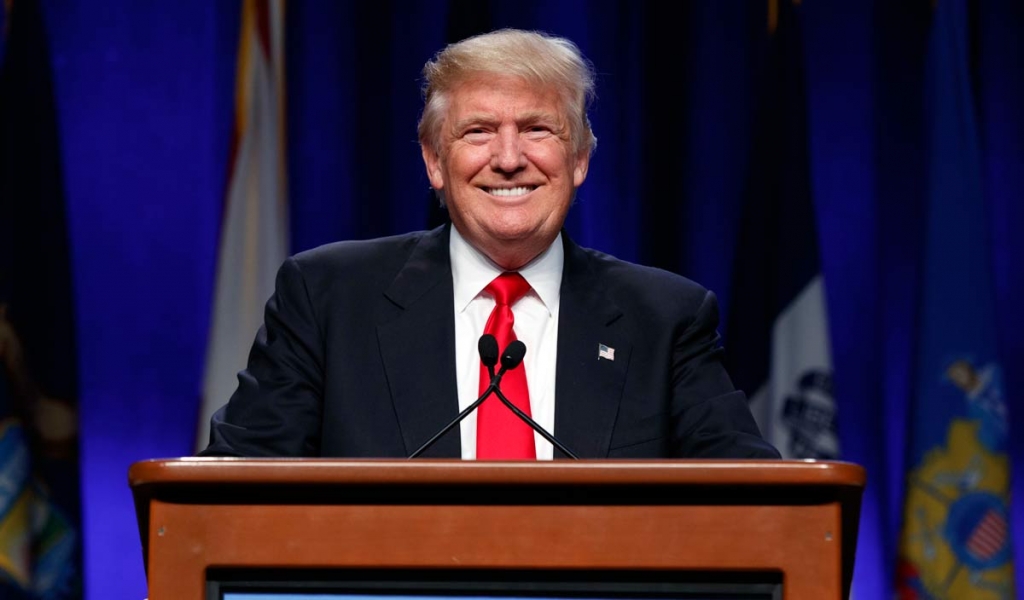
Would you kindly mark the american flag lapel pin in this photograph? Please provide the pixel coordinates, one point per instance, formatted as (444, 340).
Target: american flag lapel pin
(605, 352)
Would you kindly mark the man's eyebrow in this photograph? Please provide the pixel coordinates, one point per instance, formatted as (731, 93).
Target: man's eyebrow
(537, 116)
(474, 119)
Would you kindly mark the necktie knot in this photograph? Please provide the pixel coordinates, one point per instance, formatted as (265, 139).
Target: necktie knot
(508, 288)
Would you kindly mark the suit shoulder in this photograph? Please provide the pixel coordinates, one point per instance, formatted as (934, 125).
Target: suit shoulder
(359, 257)
(648, 290)
(633, 277)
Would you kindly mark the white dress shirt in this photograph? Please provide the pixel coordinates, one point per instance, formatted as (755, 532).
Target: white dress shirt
(536, 325)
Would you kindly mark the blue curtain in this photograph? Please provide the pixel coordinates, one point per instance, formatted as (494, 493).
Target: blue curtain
(144, 101)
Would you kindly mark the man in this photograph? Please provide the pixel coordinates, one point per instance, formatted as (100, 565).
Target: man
(370, 347)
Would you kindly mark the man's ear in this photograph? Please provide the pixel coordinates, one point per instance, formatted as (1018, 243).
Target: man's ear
(579, 173)
(433, 164)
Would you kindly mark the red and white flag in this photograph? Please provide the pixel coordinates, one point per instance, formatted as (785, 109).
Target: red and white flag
(254, 229)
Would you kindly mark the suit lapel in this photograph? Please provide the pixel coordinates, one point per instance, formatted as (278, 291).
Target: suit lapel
(418, 347)
(588, 387)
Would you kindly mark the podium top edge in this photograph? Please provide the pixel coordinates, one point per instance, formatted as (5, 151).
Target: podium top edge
(325, 471)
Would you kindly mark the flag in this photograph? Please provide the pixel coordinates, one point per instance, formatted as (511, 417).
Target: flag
(955, 540)
(254, 228)
(40, 545)
(778, 347)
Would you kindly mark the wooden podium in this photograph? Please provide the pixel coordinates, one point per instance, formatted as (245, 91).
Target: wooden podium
(792, 522)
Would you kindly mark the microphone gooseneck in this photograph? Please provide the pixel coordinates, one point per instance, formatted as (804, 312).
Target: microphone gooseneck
(510, 359)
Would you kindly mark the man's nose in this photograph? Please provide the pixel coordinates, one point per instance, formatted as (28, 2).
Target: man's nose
(507, 154)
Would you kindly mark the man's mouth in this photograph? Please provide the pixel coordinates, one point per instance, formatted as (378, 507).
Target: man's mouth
(511, 192)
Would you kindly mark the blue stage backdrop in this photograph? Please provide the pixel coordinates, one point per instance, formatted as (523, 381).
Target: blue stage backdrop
(144, 95)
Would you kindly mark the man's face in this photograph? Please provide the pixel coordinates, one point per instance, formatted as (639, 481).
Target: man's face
(507, 167)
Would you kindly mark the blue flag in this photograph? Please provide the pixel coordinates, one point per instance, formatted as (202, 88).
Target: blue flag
(955, 541)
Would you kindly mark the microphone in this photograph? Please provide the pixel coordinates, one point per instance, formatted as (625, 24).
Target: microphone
(488, 349)
(513, 355)
(487, 346)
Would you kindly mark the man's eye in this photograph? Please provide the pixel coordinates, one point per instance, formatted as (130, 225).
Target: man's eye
(476, 135)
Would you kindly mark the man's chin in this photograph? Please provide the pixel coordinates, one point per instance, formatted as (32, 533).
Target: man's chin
(512, 250)
(520, 236)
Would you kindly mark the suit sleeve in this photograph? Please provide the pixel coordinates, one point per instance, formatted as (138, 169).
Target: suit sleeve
(277, 407)
(710, 418)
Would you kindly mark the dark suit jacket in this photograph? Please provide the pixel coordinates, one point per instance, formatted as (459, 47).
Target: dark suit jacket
(356, 359)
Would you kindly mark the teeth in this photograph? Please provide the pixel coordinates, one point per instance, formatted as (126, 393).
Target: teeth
(516, 191)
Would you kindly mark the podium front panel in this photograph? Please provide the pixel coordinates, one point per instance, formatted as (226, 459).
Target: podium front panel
(666, 519)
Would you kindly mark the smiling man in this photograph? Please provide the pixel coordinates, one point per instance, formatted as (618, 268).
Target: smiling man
(369, 348)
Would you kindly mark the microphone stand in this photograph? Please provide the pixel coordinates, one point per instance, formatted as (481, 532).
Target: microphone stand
(513, 358)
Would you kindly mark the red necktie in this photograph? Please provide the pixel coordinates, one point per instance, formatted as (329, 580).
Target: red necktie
(500, 434)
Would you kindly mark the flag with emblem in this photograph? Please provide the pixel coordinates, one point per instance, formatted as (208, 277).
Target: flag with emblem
(254, 228)
(39, 492)
(777, 347)
(955, 540)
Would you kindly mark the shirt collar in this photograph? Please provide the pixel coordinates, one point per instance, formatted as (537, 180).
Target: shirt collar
(472, 271)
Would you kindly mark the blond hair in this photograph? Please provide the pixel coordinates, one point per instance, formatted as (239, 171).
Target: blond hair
(540, 59)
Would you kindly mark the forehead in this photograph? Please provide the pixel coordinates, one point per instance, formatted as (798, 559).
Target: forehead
(502, 96)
